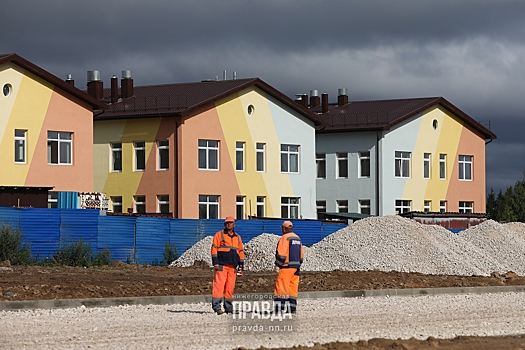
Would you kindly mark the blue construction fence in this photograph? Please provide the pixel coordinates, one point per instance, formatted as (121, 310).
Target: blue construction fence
(138, 239)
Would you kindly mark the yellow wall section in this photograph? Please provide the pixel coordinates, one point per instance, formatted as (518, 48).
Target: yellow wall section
(125, 184)
(104, 133)
(28, 112)
(444, 139)
(9, 74)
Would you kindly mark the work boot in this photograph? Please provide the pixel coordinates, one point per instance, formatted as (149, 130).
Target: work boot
(219, 312)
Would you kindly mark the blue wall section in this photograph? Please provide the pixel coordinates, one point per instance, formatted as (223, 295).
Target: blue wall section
(137, 239)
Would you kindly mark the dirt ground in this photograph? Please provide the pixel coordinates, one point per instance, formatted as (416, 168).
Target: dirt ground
(123, 280)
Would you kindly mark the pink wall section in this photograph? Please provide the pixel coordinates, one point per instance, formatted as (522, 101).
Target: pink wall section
(193, 181)
(471, 191)
(64, 114)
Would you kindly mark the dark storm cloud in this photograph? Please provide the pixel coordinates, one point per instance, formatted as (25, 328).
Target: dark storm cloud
(472, 52)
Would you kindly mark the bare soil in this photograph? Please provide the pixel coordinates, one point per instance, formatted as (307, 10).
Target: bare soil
(123, 280)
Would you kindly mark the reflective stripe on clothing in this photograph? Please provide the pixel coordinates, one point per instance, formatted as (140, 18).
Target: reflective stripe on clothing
(227, 249)
(289, 252)
(223, 287)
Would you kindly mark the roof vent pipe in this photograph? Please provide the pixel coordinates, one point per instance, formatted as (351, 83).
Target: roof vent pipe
(70, 80)
(342, 98)
(304, 100)
(126, 84)
(315, 100)
(324, 102)
(114, 89)
(224, 75)
(95, 86)
(234, 75)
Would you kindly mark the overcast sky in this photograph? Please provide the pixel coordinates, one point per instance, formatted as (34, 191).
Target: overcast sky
(470, 52)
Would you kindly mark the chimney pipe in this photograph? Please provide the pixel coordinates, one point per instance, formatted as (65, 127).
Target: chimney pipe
(114, 89)
(224, 75)
(234, 75)
(70, 80)
(95, 86)
(126, 84)
(315, 101)
(342, 98)
(324, 102)
(304, 100)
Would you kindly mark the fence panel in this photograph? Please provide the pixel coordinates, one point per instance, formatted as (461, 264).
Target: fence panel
(10, 216)
(151, 235)
(117, 233)
(186, 232)
(78, 225)
(41, 227)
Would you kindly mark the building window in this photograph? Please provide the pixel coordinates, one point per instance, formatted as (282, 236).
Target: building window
(289, 159)
(290, 208)
(465, 168)
(342, 165)
(426, 165)
(59, 147)
(342, 206)
(442, 166)
(364, 164)
(116, 203)
(163, 148)
(364, 206)
(140, 155)
(116, 157)
(208, 155)
(208, 207)
(402, 161)
(260, 158)
(239, 156)
(427, 206)
(320, 160)
(163, 203)
(52, 199)
(140, 204)
(261, 212)
(240, 200)
(466, 207)
(20, 146)
(403, 206)
(320, 207)
(442, 206)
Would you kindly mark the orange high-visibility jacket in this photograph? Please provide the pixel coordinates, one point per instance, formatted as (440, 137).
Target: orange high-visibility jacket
(227, 249)
(289, 251)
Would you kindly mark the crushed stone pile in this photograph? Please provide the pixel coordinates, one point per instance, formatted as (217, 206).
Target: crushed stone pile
(394, 243)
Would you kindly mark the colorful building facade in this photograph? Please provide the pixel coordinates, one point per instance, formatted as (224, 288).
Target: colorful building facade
(46, 129)
(207, 150)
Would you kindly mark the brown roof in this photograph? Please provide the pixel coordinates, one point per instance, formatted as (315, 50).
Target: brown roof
(384, 114)
(56, 81)
(185, 98)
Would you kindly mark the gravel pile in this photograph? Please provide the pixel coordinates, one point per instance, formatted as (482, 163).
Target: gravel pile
(394, 243)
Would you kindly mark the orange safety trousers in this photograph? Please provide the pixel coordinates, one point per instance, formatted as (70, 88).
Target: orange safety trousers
(223, 286)
(286, 288)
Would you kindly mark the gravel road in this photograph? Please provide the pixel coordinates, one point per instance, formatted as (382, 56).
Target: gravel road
(194, 326)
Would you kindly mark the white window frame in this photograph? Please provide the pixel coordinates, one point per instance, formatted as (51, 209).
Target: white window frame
(139, 204)
(240, 207)
(290, 207)
(163, 154)
(465, 167)
(139, 149)
(20, 146)
(320, 206)
(426, 165)
(208, 151)
(442, 166)
(239, 155)
(64, 143)
(427, 206)
(403, 206)
(163, 203)
(290, 159)
(116, 149)
(342, 205)
(364, 158)
(402, 164)
(365, 204)
(442, 206)
(52, 199)
(466, 207)
(211, 206)
(261, 206)
(341, 165)
(116, 202)
(260, 156)
(320, 162)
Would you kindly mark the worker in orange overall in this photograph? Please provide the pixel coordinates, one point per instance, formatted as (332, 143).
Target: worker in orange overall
(288, 259)
(227, 256)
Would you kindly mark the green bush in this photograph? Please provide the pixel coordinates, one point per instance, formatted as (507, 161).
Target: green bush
(12, 247)
(76, 253)
(102, 258)
(170, 254)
